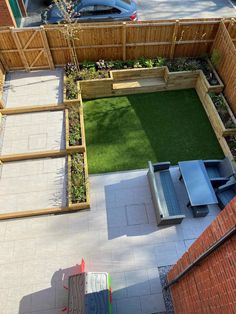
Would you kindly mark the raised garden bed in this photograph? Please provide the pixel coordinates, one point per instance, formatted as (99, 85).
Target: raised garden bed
(225, 113)
(74, 126)
(231, 142)
(103, 70)
(78, 188)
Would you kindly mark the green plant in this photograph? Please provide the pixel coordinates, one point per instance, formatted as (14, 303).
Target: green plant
(78, 179)
(74, 126)
(70, 69)
(149, 63)
(137, 64)
(87, 65)
(215, 57)
(229, 124)
(158, 62)
(118, 64)
(218, 101)
(110, 65)
(130, 63)
(71, 88)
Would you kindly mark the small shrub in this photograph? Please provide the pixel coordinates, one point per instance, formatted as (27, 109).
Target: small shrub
(215, 57)
(158, 62)
(74, 126)
(118, 64)
(88, 65)
(101, 65)
(78, 180)
(137, 64)
(70, 70)
(71, 88)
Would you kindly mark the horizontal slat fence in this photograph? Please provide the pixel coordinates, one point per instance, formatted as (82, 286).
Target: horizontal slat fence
(227, 64)
(46, 47)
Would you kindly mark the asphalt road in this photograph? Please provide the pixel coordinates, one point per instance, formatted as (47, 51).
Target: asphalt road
(174, 9)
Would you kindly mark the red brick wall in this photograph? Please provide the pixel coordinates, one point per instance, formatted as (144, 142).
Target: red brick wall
(6, 16)
(211, 286)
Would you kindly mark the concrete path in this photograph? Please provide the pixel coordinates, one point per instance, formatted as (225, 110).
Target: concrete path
(34, 88)
(41, 183)
(175, 9)
(32, 132)
(33, 184)
(118, 235)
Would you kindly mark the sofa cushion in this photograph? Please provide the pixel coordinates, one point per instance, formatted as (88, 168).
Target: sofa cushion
(169, 192)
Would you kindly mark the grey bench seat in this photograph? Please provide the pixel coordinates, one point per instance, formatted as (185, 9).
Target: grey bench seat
(164, 197)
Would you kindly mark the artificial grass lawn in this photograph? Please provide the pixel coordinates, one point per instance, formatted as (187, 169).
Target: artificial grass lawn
(125, 132)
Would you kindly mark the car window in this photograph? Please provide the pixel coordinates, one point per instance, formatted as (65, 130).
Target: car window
(127, 1)
(105, 9)
(86, 11)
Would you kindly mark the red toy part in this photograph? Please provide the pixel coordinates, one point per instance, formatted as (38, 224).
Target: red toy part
(82, 266)
(110, 295)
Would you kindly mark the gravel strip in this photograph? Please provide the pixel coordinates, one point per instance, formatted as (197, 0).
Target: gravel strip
(166, 293)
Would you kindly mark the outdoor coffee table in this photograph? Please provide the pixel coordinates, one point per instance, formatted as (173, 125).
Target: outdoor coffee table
(197, 183)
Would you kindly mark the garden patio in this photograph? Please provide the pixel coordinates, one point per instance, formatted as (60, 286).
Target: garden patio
(119, 234)
(148, 110)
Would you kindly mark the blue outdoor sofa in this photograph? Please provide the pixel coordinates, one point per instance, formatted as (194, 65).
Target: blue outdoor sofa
(219, 171)
(226, 193)
(164, 197)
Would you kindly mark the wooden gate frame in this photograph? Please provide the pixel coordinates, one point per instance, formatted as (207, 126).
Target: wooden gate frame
(22, 49)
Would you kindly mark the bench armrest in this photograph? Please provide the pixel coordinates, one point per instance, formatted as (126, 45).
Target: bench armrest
(226, 186)
(161, 166)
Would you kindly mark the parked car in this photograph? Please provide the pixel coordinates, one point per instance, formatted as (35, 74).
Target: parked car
(93, 11)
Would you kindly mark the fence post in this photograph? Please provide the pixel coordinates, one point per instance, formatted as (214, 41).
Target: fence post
(19, 49)
(3, 64)
(46, 47)
(124, 41)
(174, 37)
(231, 23)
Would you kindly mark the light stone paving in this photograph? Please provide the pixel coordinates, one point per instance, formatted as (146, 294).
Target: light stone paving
(32, 132)
(34, 88)
(118, 235)
(176, 9)
(32, 184)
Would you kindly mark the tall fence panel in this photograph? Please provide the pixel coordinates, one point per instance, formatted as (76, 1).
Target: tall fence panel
(226, 67)
(46, 47)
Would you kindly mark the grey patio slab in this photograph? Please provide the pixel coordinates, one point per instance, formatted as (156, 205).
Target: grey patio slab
(32, 132)
(33, 184)
(49, 247)
(34, 88)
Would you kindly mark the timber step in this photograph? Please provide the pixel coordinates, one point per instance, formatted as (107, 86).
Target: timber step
(139, 83)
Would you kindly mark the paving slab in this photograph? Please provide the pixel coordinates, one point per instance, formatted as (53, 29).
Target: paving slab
(32, 132)
(38, 254)
(34, 88)
(33, 184)
(176, 9)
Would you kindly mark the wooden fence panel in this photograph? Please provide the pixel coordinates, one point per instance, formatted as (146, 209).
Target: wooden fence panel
(46, 47)
(227, 65)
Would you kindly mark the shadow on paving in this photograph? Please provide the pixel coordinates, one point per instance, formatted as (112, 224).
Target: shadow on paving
(137, 295)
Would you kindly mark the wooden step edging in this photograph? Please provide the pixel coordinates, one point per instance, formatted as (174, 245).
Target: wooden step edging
(29, 109)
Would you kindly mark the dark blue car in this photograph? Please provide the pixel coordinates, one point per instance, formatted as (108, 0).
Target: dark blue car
(94, 11)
